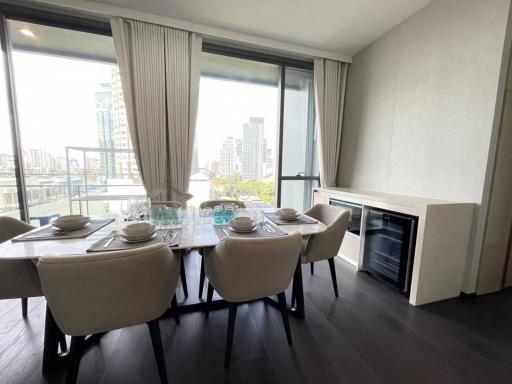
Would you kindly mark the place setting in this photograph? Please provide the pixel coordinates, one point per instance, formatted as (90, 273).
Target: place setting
(289, 216)
(65, 227)
(136, 235)
(247, 227)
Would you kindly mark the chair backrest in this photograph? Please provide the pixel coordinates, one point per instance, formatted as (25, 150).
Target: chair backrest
(11, 227)
(170, 204)
(213, 203)
(248, 269)
(100, 292)
(326, 244)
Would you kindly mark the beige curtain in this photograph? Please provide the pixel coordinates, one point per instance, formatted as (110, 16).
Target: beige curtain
(330, 80)
(160, 71)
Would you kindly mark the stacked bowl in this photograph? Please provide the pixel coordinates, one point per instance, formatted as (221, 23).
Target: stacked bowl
(138, 232)
(242, 224)
(288, 214)
(70, 222)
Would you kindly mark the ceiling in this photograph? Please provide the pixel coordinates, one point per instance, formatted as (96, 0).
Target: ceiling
(341, 26)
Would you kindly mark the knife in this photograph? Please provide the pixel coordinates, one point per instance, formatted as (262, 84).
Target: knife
(108, 242)
(270, 229)
(226, 232)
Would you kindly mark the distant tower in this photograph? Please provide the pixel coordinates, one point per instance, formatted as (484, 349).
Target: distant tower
(227, 157)
(253, 149)
(105, 123)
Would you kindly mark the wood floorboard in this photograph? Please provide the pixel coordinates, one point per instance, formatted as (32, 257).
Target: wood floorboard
(369, 335)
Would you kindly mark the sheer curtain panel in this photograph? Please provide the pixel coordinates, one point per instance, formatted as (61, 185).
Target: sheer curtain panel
(160, 71)
(330, 79)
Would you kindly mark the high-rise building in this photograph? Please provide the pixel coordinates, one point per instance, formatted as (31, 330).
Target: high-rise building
(253, 149)
(227, 157)
(105, 123)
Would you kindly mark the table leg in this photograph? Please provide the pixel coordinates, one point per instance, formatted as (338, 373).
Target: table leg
(52, 336)
(299, 291)
(183, 275)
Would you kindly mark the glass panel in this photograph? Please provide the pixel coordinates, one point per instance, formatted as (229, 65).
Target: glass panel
(299, 141)
(76, 146)
(297, 193)
(8, 191)
(236, 136)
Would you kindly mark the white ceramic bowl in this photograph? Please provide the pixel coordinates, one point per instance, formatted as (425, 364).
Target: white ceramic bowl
(70, 221)
(243, 221)
(140, 237)
(138, 229)
(288, 213)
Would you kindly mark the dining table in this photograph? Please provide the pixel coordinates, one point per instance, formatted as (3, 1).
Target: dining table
(194, 235)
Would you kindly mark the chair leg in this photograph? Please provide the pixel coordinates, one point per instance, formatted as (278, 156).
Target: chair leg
(231, 332)
(201, 278)
(284, 314)
(209, 297)
(312, 265)
(294, 287)
(75, 355)
(24, 307)
(156, 340)
(183, 277)
(63, 344)
(333, 276)
(174, 305)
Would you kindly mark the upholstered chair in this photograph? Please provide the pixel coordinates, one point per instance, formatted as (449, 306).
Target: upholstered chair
(212, 204)
(169, 204)
(100, 292)
(242, 270)
(183, 274)
(325, 245)
(18, 278)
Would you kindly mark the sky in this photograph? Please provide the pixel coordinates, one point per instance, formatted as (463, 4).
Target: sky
(56, 103)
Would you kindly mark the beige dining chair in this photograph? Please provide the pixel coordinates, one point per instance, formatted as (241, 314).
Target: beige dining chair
(212, 204)
(325, 245)
(18, 278)
(242, 270)
(169, 204)
(96, 293)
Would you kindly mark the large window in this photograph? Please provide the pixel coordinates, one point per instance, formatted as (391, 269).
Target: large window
(249, 144)
(235, 152)
(74, 136)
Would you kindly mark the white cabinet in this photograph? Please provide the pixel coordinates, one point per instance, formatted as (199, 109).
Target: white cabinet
(442, 239)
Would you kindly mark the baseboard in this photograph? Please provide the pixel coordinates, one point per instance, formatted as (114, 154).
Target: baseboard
(348, 260)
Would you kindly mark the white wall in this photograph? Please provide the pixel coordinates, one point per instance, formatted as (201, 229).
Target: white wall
(421, 101)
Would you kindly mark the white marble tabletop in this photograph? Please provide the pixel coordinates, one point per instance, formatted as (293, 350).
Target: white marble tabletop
(193, 236)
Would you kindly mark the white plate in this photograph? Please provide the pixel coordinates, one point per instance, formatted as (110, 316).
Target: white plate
(68, 227)
(289, 218)
(244, 230)
(122, 238)
(136, 237)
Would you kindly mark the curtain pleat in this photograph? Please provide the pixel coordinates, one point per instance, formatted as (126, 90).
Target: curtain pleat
(330, 80)
(160, 78)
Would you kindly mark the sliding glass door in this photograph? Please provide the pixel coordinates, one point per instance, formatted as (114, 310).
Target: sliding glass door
(299, 171)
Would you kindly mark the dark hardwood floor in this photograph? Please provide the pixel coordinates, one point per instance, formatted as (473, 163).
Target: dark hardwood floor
(370, 334)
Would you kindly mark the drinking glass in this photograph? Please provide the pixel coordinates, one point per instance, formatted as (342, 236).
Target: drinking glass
(207, 214)
(154, 215)
(218, 215)
(229, 213)
(165, 216)
(176, 217)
